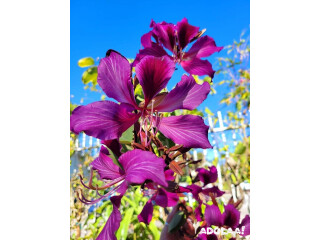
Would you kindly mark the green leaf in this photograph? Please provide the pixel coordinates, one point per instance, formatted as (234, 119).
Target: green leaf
(240, 148)
(90, 75)
(124, 225)
(127, 136)
(85, 62)
(177, 221)
(154, 230)
(207, 79)
(103, 97)
(139, 91)
(239, 105)
(208, 111)
(114, 159)
(130, 60)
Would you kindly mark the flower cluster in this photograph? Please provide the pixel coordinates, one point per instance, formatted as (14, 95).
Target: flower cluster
(151, 163)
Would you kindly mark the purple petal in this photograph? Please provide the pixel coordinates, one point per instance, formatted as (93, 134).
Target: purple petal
(146, 213)
(166, 199)
(246, 224)
(203, 47)
(153, 74)
(114, 145)
(142, 165)
(195, 190)
(104, 120)
(206, 176)
(182, 189)
(165, 33)
(185, 32)
(114, 77)
(105, 166)
(154, 50)
(188, 130)
(213, 216)
(146, 39)
(204, 236)
(186, 95)
(215, 190)
(169, 175)
(231, 216)
(109, 230)
(197, 213)
(199, 67)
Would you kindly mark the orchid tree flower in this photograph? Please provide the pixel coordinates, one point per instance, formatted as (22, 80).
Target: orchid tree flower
(137, 166)
(230, 218)
(203, 193)
(175, 38)
(160, 196)
(107, 120)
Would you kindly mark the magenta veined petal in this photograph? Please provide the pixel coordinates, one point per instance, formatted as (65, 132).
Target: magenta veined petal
(186, 95)
(188, 130)
(213, 216)
(215, 190)
(199, 67)
(104, 120)
(165, 33)
(207, 176)
(114, 145)
(185, 32)
(146, 213)
(231, 216)
(169, 175)
(195, 190)
(246, 224)
(203, 47)
(197, 213)
(114, 77)
(142, 165)
(105, 166)
(166, 199)
(146, 39)
(153, 74)
(113, 223)
(154, 50)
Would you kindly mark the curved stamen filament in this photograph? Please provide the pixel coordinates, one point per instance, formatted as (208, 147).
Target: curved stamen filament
(109, 184)
(82, 198)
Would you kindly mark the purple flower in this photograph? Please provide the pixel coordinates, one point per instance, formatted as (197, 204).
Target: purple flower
(229, 218)
(107, 120)
(213, 216)
(244, 226)
(137, 166)
(158, 196)
(175, 38)
(109, 230)
(206, 176)
(200, 193)
(146, 213)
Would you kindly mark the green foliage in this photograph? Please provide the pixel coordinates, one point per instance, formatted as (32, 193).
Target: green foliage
(240, 148)
(127, 136)
(86, 62)
(90, 76)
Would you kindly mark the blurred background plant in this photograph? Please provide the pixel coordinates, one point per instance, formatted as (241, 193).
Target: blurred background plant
(231, 156)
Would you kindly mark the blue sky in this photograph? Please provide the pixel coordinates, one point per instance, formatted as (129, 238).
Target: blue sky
(99, 25)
